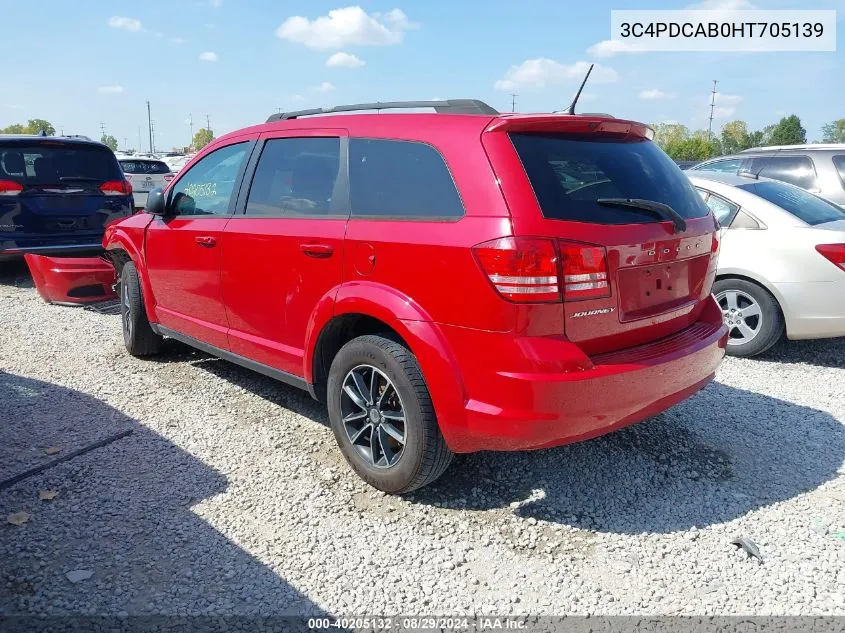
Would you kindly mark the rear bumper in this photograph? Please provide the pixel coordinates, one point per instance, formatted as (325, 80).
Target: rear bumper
(520, 410)
(72, 280)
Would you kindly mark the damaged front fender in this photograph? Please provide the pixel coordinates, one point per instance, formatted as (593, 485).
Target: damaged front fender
(72, 280)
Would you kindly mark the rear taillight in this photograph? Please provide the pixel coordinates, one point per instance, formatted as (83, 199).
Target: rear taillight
(522, 269)
(834, 253)
(116, 188)
(10, 188)
(169, 177)
(585, 274)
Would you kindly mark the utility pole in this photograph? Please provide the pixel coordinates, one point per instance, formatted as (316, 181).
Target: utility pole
(152, 137)
(513, 101)
(191, 123)
(103, 128)
(150, 126)
(712, 108)
(207, 123)
(139, 139)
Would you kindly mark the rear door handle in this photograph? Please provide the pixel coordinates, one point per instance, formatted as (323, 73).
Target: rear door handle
(206, 240)
(317, 250)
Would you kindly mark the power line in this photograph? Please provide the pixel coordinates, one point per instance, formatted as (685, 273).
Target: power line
(712, 108)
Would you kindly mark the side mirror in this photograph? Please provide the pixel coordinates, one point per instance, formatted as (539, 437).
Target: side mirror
(156, 202)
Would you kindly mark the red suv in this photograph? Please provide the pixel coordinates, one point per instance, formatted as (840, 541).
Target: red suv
(449, 282)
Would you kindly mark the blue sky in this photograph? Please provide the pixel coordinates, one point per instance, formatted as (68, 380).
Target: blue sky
(80, 64)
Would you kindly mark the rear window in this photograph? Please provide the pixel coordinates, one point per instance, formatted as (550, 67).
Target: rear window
(804, 206)
(570, 173)
(144, 167)
(56, 163)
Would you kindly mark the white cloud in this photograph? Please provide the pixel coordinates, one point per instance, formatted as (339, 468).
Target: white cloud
(177, 40)
(654, 94)
(609, 48)
(127, 24)
(208, 57)
(323, 87)
(541, 72)
(296, 98)
(342, 27)
(158, 35)
(725, 105)
(110, 90)
(216, 3)
(344, 60)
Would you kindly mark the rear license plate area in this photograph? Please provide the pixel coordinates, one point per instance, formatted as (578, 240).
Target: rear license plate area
(649, 290)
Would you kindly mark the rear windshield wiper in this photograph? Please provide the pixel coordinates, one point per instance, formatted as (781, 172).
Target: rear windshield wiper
(658, 208)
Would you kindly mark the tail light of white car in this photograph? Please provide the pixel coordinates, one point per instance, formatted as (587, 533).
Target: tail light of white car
(835, 253)
(168, 178)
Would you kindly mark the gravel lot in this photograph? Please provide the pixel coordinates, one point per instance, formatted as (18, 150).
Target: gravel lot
(229, 496)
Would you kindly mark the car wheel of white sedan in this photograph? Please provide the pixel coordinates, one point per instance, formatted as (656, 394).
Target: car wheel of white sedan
(753, 316)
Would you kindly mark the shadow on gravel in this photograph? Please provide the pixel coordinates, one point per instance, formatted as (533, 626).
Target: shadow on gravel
(824, 352)
(711, 459)
(15, 273)
(123, 512)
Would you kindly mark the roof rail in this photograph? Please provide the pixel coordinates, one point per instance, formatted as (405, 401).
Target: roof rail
(449, 106)
(802, 147)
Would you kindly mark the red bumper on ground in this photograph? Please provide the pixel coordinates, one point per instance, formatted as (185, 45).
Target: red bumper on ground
(72, 280)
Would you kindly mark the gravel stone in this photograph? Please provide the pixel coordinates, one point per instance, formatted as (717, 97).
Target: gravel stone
(230, 496)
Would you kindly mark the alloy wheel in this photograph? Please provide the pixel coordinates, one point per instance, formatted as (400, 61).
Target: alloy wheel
(742, 315)
(373, 416)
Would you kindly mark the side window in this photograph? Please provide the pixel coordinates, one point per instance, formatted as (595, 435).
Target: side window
(796, 170)
(295, 177)
(206, 189)
(839, 163)
(400, 179)
(702, 194)
(729, 166)
(723, 210)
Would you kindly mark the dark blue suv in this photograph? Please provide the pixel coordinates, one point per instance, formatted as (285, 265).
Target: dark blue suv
(57, 195)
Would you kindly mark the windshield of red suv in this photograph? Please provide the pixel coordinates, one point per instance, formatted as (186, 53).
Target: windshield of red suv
(571, 173)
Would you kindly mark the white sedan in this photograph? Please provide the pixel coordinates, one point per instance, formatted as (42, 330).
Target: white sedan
(781, 263)
(145, 174)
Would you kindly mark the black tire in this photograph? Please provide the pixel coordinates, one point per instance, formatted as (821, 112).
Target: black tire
(138, 336)
(425, 455)
(771, 326)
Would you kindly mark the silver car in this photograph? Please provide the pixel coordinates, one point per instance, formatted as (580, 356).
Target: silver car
(817, 168)
(145, 174)
(781, 264)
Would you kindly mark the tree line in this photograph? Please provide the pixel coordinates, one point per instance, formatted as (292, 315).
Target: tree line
(681, 144)
(35, 126)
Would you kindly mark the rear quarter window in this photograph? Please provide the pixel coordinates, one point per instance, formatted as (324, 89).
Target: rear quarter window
(839, 163)
(795, 170)
(400, 179)
(570, 173)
